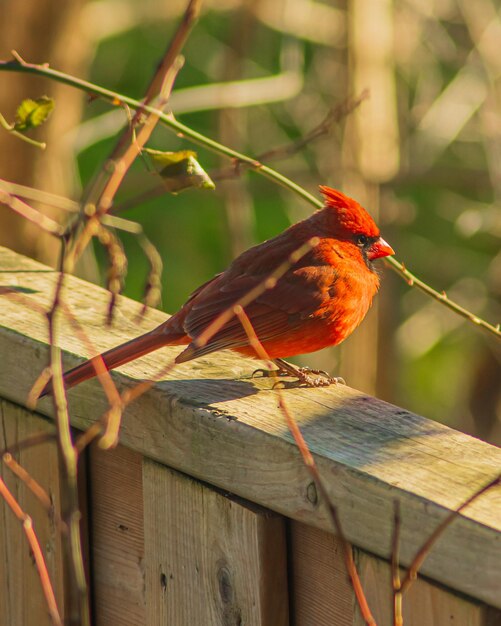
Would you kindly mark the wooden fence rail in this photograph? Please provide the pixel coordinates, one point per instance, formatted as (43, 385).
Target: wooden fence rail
(205, 514)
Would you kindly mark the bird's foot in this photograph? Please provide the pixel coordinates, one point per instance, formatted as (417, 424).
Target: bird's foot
(269, 373)
(305, 375)
(317, 378)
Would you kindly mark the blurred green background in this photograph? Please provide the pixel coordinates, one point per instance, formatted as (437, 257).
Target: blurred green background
(422, 153)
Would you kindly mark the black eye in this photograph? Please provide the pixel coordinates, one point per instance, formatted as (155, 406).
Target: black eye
(362, 240)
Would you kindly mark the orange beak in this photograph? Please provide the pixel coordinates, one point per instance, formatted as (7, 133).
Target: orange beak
(380, 249)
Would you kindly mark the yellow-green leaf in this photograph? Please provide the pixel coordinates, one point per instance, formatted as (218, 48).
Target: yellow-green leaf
(180, 170)
(33, 113)
(168, 158)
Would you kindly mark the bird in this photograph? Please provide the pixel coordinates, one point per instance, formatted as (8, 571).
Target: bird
(316, 303)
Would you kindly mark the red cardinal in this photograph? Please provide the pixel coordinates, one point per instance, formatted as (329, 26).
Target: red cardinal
(317, 303)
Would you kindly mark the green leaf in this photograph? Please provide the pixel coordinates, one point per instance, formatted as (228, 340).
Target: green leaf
(5, 289)
(180, 170)
(33, 113)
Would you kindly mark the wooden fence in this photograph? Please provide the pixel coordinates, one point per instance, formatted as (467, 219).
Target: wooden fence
(205, 514)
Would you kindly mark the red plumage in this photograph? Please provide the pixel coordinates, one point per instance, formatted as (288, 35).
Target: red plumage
(317, 303)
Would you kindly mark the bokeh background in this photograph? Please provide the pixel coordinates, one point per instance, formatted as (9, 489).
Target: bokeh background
(422, 153)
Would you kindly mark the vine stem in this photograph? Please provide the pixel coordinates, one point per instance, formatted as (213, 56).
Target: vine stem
(442, 297)
(117, 99)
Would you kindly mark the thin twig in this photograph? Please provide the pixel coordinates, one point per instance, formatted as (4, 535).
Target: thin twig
(334, 116)
(69, 457)
(34, 544)
(10, 128)
(38, 386)
(127, 149)
(425, 549)
(398, 619)
(36, 489)
(165, 118)
(117, 265)
(268, 283)
(152, 289)
(129, 145)
(88, 436)
(225, 316)
(102, 373)
(252, 163)
(442, 297)
(29, 442)
(309, 461)
(120, 166)
(44, 222)
(153, 286)
(51, 199)
(183, 31)
(45, 375)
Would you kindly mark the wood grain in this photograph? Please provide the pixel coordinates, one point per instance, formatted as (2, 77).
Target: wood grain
(21, 595)
(117, 537)
(210, 559)
(423, 604)
(320, 590)
(210, 420)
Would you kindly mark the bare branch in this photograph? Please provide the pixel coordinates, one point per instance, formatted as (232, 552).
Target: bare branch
(29, 442)
(36, 489)
(425, 549)
(395, 567)
(441, 297)
(334, 116)
(29, 213)
(34, 544)
(225, 316)
(250, 162)
(309, 461)
(268, 283)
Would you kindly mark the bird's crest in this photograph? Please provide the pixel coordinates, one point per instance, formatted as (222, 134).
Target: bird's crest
(349, 213)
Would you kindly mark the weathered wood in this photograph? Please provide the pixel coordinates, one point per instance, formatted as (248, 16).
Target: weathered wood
(117, 536)
(424, 603)
(21, 596)
(210, 559)
(230, 433)
(322, 595)
(320, 591)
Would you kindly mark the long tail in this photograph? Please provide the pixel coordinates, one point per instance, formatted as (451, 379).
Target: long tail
(117, 356)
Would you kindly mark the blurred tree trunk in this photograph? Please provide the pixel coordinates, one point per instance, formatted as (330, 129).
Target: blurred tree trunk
(232, 130)
(371, 155)
(40, 32)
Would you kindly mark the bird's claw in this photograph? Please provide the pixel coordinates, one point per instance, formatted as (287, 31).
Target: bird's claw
(315, 378)
(318, 378)
(305, 375)
(307, 371)
(266, 373)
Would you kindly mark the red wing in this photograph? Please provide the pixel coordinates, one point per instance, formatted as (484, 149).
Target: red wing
(301, 293)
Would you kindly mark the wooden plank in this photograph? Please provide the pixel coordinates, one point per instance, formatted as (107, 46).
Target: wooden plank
(117, 538)
(210, 559)
(21, 597)
(321, 594)
(230, 433)
(83, 500)
(424, 603)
